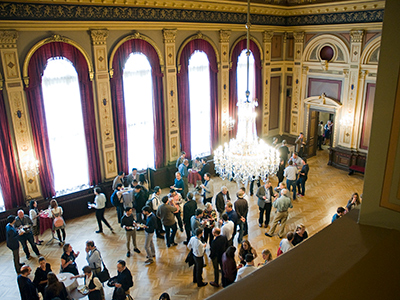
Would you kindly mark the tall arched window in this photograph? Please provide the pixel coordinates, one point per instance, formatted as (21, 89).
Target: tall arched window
(139, 112)
(200, 104)
(242, 76)
(2, 207)
(64, 119)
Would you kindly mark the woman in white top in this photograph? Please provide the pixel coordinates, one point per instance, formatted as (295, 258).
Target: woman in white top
(34, 215)
(58, 226)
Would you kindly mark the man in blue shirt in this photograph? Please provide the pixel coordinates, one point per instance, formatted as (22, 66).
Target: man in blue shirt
(339, 213)
(13, 242)
(183, 170)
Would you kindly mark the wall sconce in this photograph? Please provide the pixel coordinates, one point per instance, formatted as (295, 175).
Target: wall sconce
(30, 165)
(230, 123)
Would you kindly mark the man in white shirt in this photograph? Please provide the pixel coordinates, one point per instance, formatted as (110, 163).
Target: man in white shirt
(197, 246)
(291, 177)
(248, 268)
(155, 203)
(286, 244)
(227, 228)
(92, 283)
(100, 206)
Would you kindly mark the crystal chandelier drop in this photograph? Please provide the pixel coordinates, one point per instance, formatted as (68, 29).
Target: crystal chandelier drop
(247, 157)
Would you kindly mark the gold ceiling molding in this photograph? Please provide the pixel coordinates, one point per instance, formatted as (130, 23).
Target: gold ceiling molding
(135, 36)
(243, 37)
(54, 38)
(235, 6)
(196, 36)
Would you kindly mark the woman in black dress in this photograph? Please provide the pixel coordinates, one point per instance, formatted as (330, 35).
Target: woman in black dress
(300, 234)
(55, 289)
(41, 272)
(246, 249)
(68, 264)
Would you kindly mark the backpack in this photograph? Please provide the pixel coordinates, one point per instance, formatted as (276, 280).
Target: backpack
(114, 199)
(149, 203)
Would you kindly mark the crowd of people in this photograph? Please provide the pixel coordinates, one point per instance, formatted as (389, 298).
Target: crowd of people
(216, 225)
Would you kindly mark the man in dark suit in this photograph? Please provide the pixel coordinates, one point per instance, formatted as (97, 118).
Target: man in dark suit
(123, 279)
(205, 169)
(242, 209)
(265, 196)
(13, 241)
(218, 246)
(221, 199)
(188, 211)
(27, 289)
(140, 202)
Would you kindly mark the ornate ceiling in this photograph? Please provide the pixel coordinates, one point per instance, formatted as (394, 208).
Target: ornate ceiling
(291, 2)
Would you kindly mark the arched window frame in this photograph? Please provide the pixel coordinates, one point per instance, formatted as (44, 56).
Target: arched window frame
(183, 91)
(131, 44)
(35, 64)
(238, 47)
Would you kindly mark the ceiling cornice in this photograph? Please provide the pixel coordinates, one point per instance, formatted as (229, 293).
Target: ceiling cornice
(229, 6)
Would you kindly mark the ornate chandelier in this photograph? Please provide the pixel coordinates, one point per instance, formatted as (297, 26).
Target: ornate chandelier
(247, 157)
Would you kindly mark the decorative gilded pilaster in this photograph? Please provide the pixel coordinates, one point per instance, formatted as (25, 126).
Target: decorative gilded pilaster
(19, 112)
(224, 36)
(171, 92)
(348, 136)
(267, 38)
(104, 108)
(299, 82)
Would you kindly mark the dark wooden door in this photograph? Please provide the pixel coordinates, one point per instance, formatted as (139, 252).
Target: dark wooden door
(312, 138)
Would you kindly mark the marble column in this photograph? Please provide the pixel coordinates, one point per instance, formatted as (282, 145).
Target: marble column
(266, 78)
(223, 75)
(104, 107)
(296, 114)
(170, 83)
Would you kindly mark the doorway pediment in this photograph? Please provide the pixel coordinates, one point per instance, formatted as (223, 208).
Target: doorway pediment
(322, 101)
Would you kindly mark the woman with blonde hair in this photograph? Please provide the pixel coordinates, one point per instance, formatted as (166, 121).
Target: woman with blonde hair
(300, 234)
(58, 221)
(353, 202)
(267, 257)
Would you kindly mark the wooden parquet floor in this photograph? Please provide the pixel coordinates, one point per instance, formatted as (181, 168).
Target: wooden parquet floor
(326, 189)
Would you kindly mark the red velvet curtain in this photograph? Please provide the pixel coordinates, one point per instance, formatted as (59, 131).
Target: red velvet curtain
(117, 93)
(34, 95)
(240, 46)
(9, 178)
(183, 93)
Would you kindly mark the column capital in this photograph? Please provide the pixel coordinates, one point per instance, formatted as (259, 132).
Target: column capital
(8, 38)
(363, 74)
(99, 36)
(304, 70)
(298, 37)
(346, 73)
(356, 36)
(224, 36)
(169, 35)
(267, 36)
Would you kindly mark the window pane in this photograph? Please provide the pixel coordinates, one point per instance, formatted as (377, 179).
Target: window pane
(62, 104)
(2, 208)
(242, 76)
(138, 95)
(200, 104)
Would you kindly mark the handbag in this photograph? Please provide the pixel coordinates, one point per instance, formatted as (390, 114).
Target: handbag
(58, 221)
(104, 275)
